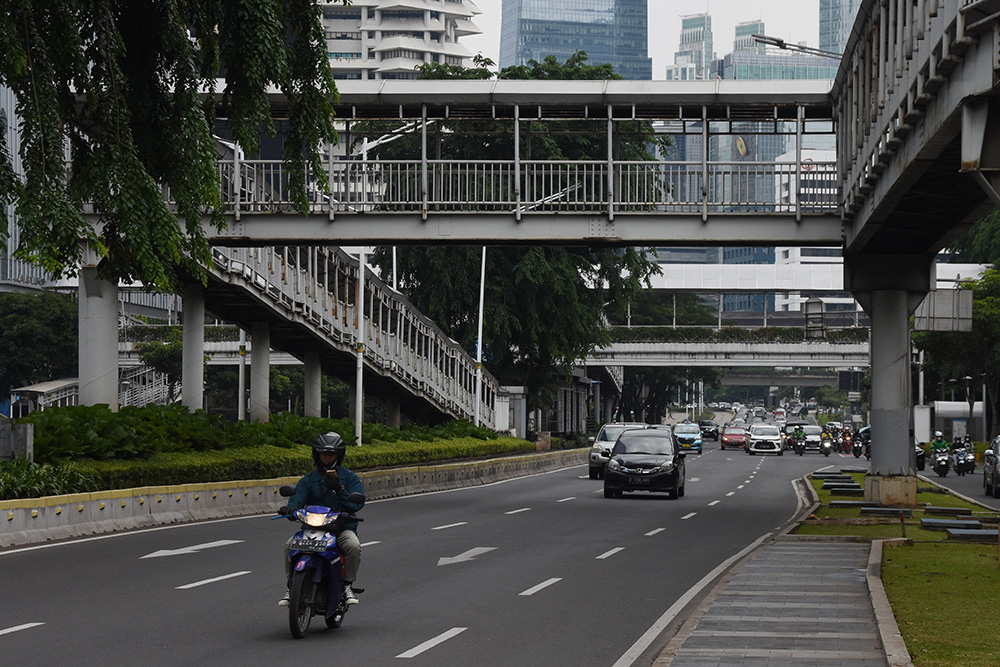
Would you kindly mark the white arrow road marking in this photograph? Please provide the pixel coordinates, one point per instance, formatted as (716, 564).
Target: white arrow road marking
(213, 580)
(450, 525)
(609, 554)
(523, 509)
(190, 550)
(431, 643)
(544, 584)
(654, 532)
(18, 628)
(466, 556)
(566, 499)
(688, 516)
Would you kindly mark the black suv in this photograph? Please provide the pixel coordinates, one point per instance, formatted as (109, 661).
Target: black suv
(709, 429)
(991, 469)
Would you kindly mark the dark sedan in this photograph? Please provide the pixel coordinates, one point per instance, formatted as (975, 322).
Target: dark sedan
(991, 469)
(645, 460)
(709, 429)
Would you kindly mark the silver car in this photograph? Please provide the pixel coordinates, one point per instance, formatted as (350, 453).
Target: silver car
(600, 450)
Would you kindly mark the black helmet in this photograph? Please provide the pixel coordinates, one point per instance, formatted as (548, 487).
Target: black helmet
(329, 442)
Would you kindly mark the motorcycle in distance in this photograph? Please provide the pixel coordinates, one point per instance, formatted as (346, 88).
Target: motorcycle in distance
(799, 445)
(316, 567)
(940, 462)
(963, 460)
(858, 448)
(826, 446)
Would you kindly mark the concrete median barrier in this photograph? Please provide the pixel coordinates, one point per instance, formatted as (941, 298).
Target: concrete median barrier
(37, 520)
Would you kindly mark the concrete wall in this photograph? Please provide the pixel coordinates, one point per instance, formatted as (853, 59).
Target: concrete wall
(37, 520)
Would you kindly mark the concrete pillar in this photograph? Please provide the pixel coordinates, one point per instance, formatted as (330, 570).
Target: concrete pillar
(98, 365)
(393, 416)
(260, 372)
(193, 355)
(313, 375)
(890, 288)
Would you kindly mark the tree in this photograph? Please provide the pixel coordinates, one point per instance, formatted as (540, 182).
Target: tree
(38, 338)
(975, 354)
(544, 306)
(165, 357)
(121, 84)
(981, 244)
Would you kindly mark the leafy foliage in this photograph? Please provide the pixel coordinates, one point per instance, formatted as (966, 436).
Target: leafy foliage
(975, 354)
(21, 479)
(95, 432)
(121, 84)
(38, 338)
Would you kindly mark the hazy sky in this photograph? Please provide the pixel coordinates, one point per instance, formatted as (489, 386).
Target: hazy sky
(792, 20)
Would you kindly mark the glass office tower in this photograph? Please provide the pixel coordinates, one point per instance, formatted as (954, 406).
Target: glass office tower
(836, 18)
(610, 31)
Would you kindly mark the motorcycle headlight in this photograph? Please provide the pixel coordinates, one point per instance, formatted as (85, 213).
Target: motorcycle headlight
(314, 519)
(614, 465)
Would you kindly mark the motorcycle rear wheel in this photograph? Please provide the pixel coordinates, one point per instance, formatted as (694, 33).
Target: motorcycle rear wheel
(301, 596)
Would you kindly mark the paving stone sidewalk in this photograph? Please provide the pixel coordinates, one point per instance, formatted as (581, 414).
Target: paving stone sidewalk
(792, 603)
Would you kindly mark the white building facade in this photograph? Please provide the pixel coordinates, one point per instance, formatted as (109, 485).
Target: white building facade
(388, 39)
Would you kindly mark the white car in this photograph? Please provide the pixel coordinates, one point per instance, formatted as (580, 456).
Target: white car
(600, 450)
(764, 439)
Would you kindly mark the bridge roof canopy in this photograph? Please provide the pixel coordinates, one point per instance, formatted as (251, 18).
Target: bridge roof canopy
(651, 100)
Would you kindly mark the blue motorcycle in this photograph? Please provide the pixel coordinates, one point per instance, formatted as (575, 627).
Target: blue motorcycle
(316, 567)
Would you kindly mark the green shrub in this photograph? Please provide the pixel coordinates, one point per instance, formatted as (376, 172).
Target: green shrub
(21, 479)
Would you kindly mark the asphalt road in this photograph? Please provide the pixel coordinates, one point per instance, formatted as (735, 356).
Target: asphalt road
(553, 573)
(970, 485)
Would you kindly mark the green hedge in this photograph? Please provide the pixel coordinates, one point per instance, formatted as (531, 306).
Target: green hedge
(89, 448)
(265, 461)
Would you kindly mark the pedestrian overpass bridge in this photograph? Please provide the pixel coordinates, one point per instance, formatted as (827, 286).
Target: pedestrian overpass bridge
(913, 116)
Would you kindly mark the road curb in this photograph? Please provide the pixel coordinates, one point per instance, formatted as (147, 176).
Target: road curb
(50, 518)
(892, 641)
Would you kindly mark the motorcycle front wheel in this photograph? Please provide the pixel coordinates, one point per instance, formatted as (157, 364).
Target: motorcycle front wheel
(300, 603)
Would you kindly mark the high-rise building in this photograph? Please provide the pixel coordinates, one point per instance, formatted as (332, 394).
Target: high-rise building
(388, 39)
(744, 40)
(609, 32)
(696, 46)
(836, 18)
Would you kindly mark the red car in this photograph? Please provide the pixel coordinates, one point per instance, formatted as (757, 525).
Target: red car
(733, 436)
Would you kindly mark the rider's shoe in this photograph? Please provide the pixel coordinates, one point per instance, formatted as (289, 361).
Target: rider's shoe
(283, 602)
(349, 596)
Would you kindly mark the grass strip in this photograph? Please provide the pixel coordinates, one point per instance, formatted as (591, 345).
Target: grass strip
(944, 597)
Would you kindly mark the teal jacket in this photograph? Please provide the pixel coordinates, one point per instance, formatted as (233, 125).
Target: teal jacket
(312, 490)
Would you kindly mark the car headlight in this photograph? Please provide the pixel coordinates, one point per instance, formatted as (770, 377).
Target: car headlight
(613, 465)
(667, 467)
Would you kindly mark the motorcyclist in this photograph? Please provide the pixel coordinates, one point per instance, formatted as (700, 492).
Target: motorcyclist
(329, 485)
(799, 433)
(939, 442)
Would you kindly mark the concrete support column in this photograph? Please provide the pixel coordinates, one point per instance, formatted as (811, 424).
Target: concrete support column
(313, 376)
(260, 372)
(98, 345)
(193, 355)
(890, 288)
(393, 415)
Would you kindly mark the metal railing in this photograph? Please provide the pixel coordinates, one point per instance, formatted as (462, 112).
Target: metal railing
(317, 288)
(509, 186)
